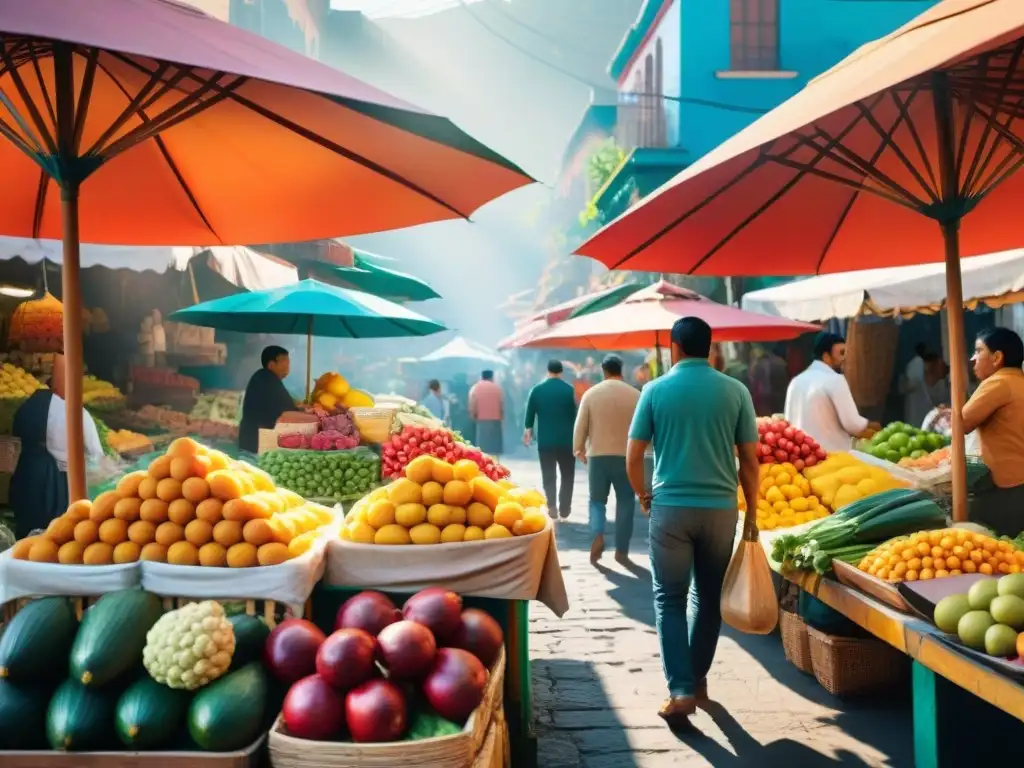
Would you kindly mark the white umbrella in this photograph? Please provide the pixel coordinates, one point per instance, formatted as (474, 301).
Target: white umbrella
(463, 350)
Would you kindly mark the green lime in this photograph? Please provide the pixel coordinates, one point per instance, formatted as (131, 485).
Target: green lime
(899, 440)
(894, 456)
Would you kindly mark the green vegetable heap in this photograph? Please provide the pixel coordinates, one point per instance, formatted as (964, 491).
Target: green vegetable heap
(336, 475)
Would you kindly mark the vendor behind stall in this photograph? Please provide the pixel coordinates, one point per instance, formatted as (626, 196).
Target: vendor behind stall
(996, 411)
(39, 487)
(266, 398)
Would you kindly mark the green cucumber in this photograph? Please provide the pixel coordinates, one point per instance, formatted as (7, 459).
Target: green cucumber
(80, 718)
(23, 715)
(921, 515)
(112, 636)
(250, 636)
(149, 714)
(227, 715)
(36, 643)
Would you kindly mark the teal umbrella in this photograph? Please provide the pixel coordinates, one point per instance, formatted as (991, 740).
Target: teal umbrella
(366, 274)
(310, 308)
(606, 299)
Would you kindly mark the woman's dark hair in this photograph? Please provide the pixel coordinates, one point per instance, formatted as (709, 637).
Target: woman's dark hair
(487, 375)
(1006, 341)
(824, 342)
(270, 354)
(693, 336)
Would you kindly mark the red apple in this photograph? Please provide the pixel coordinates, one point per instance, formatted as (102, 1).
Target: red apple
(799, 435)
(376, 712)
(820, 453)
(346, 659)
(788, 433)
(805, 450)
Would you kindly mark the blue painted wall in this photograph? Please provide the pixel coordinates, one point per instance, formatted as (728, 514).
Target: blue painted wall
(813, 35)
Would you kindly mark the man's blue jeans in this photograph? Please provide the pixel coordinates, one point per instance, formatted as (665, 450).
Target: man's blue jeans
(690, 552)
(605, 473)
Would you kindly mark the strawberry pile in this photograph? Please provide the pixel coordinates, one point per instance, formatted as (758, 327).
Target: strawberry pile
(439, 443)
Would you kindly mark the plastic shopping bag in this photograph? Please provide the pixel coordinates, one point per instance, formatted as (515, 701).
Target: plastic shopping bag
(748, 602)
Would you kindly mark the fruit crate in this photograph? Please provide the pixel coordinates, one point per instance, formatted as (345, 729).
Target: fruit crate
(250, 757)
(484, 735)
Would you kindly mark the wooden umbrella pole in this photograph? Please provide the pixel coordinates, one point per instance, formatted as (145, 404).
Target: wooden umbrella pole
(309, 357)
(73, 366)
(958, 366)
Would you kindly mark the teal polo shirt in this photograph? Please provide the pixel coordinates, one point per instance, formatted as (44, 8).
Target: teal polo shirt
(695, 417)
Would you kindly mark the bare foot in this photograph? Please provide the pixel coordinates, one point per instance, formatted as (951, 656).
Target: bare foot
(623, 559)
(596, 549)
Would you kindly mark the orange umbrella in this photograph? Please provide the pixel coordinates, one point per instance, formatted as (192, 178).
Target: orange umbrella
(645, 318)
(148, 122)
(904, 153)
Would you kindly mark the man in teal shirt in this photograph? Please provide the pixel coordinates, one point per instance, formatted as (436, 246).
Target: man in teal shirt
(552, 406)
(698, 420)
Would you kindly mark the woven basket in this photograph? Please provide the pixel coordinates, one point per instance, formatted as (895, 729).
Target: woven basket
(10, 450)
(846, 666)
(374, 424)
(459, 750)
(794, 640)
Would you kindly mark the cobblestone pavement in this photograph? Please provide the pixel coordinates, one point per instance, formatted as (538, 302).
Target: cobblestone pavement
(597, 681)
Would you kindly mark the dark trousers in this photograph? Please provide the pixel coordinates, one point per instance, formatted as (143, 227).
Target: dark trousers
(553, 462)
(605, 473)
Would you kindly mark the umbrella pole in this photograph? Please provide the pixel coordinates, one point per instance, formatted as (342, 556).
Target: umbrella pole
(72, 299)
(309, 357)
(958, 367)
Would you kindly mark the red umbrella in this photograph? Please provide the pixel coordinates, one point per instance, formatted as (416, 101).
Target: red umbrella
(645, 318)
(148, 122)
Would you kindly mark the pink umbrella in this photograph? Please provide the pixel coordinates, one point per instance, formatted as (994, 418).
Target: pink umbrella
(644, 319)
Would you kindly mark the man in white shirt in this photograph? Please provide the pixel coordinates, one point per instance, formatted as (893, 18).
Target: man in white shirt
(917, 401)
(819, 401)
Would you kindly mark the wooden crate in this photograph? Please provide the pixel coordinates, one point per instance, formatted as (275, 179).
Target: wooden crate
(252, 756)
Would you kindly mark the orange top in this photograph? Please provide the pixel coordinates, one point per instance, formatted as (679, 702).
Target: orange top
(996, 410)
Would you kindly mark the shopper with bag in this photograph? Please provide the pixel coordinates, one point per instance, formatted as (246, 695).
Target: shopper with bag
(698, 420)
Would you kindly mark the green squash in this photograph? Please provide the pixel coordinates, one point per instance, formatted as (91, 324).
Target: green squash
(251, 634)
(80, 718)
(23, 715)
(149, 714)
(227, 715)
(35, 645)
(113, 633)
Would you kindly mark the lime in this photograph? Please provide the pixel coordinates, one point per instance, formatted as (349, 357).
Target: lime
(894, 456)
(917, 443)
(899, 440)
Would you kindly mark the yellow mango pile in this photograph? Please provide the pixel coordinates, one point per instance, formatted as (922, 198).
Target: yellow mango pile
(785, 498)
(842, 479)
(332, 389)
(441, 503)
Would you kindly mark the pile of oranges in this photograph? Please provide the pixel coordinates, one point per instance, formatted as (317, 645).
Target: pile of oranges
(192, 506)
(942, 553)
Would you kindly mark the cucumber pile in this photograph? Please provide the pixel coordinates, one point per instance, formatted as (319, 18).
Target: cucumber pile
(81, 686)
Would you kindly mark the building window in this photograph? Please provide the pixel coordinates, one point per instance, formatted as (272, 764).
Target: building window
(754, 35)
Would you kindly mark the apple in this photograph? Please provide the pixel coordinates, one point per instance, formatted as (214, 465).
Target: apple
(820, 453)
(781, 455)
(789, 433)
(799, 435)
(805, 450)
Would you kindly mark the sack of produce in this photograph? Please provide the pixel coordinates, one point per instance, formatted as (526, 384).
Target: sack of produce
(748, 595)
(333, 475)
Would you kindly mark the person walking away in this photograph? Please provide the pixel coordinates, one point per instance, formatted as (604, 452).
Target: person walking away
(487, 409)
(551, 406)
(39, 486)
(917, 402)
(266, 399)
(599, 440)
(996, 411)
(819, 400)
(699, 420)
(435, 402)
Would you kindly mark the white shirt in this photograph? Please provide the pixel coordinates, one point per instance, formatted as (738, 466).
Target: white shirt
(57, 434)
(820, 403)
(917, 401)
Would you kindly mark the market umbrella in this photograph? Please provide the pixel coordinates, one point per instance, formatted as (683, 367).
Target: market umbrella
(158, 124)
(367, 275)
(904, 153)
(645, 319)
(462, 350)
(310, 308)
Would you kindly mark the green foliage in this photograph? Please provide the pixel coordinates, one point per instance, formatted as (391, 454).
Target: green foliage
(601, 166)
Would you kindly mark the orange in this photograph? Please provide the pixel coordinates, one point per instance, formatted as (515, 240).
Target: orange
(442, 472)
(258, 533)
(227, 533)
(210, 510)
(198, 532)
(99, 553)
(61, 530)
(182, 553)
(142, 532)
(242, 555)
(195, 489)
(184, 448)
(181, 511)
(465, 470)
(153, 511)
(160, 468)
(113, 531)
(213, 555)
(79, 510)
(433, 493)
(272, 554)
(22, 547)
(129, 484)
(168, 489)
(147, 488)
(457, 493)
(201, 466)
(181, 469)
(284, 529)
(168, 533)
(154, 553)
(128, 509)
(103, 506)
(86, 532)
(236, 509)
(71, 553)
(225, 484)
(43, 550)
(420, 470)
(127, 552)
(218, 460)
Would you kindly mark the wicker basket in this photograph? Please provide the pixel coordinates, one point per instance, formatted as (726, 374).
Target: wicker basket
(846, 666)
(374, 424)
(460, 750)
(794, 640)
(10, 450)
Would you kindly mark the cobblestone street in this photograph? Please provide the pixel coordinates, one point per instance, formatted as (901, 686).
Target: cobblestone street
(598, 683)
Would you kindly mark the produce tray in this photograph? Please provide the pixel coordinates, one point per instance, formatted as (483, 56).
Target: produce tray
(459, 750)
(250, 757)
(878, 589)
(922, 596)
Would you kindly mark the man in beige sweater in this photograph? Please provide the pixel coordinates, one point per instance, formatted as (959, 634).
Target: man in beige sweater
(599, 439)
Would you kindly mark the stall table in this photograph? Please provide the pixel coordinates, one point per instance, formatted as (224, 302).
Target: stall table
(948, 726)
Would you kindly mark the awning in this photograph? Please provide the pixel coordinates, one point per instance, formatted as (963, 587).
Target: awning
(992, 280)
